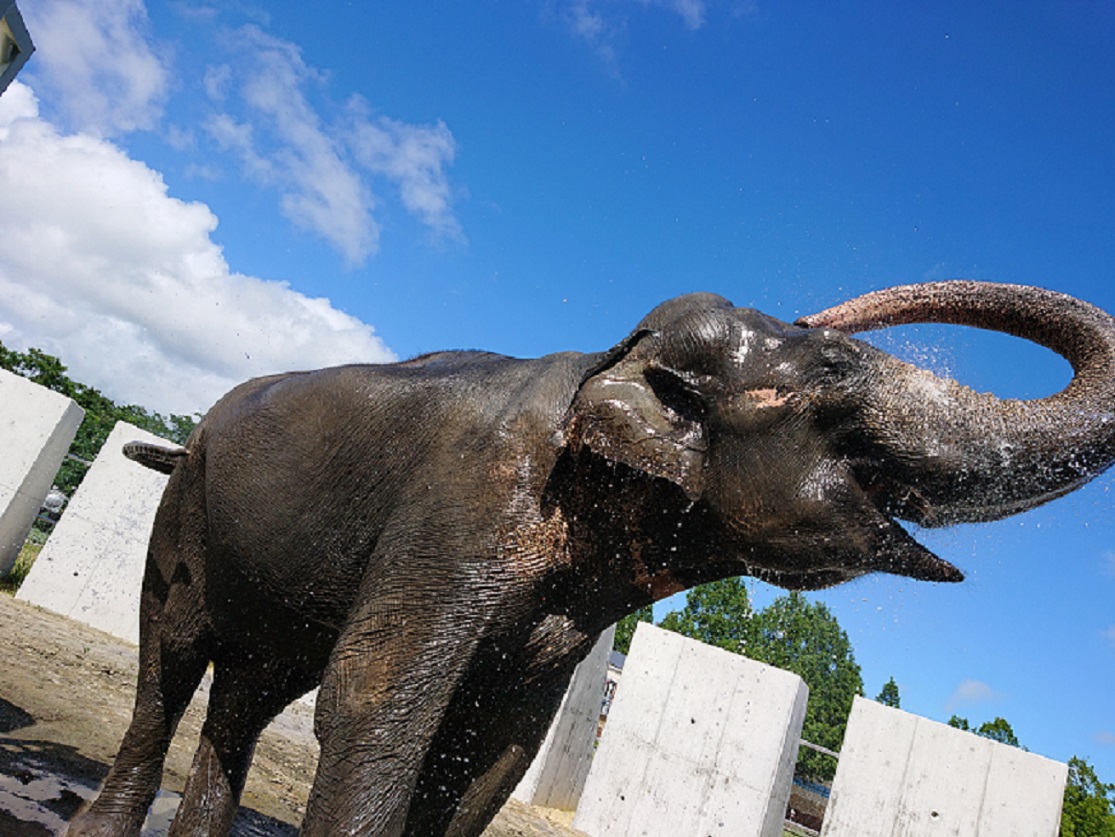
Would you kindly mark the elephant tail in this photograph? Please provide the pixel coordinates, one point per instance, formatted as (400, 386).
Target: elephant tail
(156, 457)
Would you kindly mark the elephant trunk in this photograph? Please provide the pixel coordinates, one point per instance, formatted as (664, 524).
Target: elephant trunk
(948, 454)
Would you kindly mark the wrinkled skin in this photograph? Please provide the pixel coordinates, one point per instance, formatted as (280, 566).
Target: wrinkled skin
(438, 542)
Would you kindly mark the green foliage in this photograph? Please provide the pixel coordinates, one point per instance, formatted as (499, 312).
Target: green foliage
(101, 413)
(998, 730)
(791, 634)
(889, 695)
(716, 614)
(625, 628)
(10, 582)
(806, 639)
(1089, 809)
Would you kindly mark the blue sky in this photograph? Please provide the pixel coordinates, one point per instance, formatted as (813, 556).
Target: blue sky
(197, 194)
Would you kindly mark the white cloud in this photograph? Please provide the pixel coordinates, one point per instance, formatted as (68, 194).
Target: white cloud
(413, 158)
(587, 23)
(1109, 634)
(970, 692)
(1106, 738)
(101, 69)
(691, 12)
(100, 266)
(316, 163)
(600, 24)
(1109, 564)
(217, 80)
(99, 62)
(287, 146)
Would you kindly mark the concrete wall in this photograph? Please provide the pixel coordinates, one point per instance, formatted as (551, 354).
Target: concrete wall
(904, 775)
(36, 428)
(92, 565)
(699, 741)
(557, 775)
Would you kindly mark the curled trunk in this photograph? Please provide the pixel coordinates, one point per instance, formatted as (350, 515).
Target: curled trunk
(965, 456)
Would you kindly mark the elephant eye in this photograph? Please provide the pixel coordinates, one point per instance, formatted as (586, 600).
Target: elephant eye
(676, 393)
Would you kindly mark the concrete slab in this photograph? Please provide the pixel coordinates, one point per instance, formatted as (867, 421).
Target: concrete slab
(92, 566)
(900, 774)
(557, 775)
(36, 428)
(698, 741)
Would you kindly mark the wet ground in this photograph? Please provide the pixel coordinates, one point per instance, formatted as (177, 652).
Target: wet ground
(66, 693)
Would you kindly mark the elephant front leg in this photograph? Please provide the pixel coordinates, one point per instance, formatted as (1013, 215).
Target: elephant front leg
(385, 691)
(493, 729)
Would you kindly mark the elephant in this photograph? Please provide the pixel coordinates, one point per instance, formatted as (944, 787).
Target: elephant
(437, 543)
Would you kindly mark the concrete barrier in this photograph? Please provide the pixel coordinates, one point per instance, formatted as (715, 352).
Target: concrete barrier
(36, 428)
(901, 774)
(698, 741)
(92, 565)
(556, 777)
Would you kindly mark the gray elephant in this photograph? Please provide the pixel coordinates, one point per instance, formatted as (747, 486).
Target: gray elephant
(438, 542)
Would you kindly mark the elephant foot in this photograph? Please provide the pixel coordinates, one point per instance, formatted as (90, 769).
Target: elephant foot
(92, 823)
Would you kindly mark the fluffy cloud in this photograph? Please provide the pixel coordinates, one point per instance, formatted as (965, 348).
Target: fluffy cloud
(970, 692)
(102, 73)
(413, 158)
(321, 167)
(601, 24)
(691, 12)
(282, 142)
(99, 265)
(98, 62)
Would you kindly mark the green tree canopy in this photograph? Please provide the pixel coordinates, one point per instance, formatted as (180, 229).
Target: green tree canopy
(101, 413)
(1089, 809)
(998, 730)
(805, 638)
(625, 628)
(792, 634)
(716, 614)
(889, 695)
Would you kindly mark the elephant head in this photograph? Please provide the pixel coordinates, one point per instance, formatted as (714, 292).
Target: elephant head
(804, 446)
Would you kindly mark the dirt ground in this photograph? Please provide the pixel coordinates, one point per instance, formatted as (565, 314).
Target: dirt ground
(66, 693)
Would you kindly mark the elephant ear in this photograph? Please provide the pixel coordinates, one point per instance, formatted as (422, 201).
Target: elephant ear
(633, 410)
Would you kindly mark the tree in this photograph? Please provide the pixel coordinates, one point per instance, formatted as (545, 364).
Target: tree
(791, 634)
(998, 730)
(101, 413)
(1089, 809)
(889, 695)
(718, 613)
(625, 628)
(960, 723)
(805, 638)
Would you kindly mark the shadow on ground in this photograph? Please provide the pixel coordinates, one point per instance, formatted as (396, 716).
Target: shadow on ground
(43, 784)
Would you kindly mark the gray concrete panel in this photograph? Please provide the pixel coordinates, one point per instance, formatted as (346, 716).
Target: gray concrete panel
(900, 774)
(699, 741)
(92, 566)
(37, 426)
(557, 775)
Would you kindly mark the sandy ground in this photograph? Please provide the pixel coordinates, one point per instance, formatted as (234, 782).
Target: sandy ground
(66, 693)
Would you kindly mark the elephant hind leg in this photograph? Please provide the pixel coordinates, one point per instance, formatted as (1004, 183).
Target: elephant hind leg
(175, 643)
(172, 661)
(244, 698)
